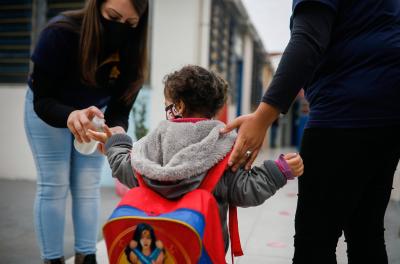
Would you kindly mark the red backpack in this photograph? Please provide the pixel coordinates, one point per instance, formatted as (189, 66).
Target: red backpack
(149, 228)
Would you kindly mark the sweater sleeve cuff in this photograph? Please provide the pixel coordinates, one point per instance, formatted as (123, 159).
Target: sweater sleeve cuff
(118, 139)
(284, 167)
(273, 167)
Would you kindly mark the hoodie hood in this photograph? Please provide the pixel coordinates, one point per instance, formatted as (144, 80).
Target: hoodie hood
(180, 151)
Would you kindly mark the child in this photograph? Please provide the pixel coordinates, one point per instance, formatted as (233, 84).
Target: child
(174, 158)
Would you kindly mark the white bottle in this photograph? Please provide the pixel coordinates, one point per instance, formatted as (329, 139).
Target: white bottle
(90, 147)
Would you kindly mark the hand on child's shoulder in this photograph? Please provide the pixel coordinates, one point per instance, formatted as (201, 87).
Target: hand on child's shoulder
(295, 163)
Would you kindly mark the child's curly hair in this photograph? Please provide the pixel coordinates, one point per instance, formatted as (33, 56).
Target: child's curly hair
(202, 91)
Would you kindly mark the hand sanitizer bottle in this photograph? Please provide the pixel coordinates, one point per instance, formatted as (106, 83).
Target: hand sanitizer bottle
(90, 147)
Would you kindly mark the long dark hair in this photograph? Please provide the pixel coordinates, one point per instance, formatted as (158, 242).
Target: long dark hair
(133, 56)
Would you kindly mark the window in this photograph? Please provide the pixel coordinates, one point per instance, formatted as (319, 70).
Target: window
(15, 40)
(54, 7)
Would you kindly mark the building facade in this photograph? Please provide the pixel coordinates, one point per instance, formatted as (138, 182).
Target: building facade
(215, 34)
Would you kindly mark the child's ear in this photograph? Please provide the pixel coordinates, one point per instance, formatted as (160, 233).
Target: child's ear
(180, 107)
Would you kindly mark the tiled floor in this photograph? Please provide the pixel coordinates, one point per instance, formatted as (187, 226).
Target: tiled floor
(266, 231)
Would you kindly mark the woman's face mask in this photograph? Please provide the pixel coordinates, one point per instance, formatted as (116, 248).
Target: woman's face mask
(115, 34)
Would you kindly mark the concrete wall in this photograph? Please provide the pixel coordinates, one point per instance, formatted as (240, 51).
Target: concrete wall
(16, 159)
(247, 73)
(180, 37)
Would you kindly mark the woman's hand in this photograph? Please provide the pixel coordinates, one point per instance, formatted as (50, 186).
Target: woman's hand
(79, 121)
(251, 134)
(295, 163)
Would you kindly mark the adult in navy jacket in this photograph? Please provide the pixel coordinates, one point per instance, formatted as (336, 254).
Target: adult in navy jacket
(346, 54)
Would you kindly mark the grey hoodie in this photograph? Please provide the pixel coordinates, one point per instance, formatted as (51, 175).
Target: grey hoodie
(175, 157)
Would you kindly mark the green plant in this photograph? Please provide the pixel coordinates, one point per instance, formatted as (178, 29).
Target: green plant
(139, 118)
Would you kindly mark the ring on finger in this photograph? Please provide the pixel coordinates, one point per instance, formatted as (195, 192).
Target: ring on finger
(248, 153)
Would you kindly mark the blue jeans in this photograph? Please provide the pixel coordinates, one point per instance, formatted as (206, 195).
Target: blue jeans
(61, 168)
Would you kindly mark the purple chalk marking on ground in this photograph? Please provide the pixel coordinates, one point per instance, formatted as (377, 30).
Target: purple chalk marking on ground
(276, 244)
(285, 213)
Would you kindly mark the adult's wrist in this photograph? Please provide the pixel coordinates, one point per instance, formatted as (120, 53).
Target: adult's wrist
(266, 113)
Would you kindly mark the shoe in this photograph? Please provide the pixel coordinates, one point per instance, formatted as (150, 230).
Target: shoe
(55, 261)
(85, 259)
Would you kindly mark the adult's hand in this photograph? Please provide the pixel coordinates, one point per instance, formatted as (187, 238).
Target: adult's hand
(251, 134)
(79, 121)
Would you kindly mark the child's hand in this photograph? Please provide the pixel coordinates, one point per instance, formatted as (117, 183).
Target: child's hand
(117, 130)
(102, 137)
(295, 163)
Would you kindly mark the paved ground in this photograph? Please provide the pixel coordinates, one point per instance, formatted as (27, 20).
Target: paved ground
(266, 231)
(17, 238)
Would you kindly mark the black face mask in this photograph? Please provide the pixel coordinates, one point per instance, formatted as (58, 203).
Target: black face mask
(115, 34)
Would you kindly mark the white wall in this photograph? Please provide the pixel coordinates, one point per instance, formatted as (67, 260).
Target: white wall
(180, 37)
(247, 73)
(16, 160)
(271, 19)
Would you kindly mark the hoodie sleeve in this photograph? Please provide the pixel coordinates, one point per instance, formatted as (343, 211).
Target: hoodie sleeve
(252, 188)
(118, 151)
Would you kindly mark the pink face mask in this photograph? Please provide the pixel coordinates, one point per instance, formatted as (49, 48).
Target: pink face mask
(171, 112)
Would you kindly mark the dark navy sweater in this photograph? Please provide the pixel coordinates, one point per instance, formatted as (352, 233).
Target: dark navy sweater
(346, 54)
(57, 86)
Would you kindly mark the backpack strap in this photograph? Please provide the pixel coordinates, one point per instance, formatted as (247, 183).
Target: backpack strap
(236, 247)
(209, 183)
(214, 174)
(140, 180)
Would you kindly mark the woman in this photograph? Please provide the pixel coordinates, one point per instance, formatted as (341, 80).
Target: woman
(85, 62)
(347, 56)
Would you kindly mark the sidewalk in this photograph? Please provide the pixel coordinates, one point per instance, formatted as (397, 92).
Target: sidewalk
(266, 231)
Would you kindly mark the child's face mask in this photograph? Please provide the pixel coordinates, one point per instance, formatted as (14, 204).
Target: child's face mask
(171, 112)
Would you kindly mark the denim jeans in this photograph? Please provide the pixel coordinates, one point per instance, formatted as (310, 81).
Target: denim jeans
(60, 168)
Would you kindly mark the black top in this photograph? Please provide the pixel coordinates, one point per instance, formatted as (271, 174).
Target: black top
(57, 86)
(310, 36)
(346, 54)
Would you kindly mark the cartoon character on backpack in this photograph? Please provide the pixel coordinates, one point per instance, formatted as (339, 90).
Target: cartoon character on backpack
(144, 248)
